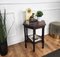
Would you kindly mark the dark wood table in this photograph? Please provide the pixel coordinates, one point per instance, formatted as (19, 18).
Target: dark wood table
(33, 26)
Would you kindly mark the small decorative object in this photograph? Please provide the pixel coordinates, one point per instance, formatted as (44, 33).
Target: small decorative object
(32, 19)
(28, 13)
(27, 22)
(32, 16)
(39, 14)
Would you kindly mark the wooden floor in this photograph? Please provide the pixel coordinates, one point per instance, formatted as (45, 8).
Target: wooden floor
(19, 50)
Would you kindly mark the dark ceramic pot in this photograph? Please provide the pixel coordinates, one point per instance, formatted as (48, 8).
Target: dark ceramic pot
(3, 48)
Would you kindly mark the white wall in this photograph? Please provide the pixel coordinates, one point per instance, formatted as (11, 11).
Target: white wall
(27, 1)
(15, 15)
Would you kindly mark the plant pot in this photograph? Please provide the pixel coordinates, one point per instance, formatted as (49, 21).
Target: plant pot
(3, 48)
(39, 18)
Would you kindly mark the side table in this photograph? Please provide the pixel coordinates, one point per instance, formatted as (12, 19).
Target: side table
(34, 26)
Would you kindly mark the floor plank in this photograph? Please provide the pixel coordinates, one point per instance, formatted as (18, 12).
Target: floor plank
(19, 50)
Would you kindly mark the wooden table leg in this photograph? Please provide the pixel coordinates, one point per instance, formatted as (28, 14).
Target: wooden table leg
(33, 40)
(43, 37)
(26, 35)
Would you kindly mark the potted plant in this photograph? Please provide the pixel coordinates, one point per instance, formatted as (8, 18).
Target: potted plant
(39, 14)
(3, 35)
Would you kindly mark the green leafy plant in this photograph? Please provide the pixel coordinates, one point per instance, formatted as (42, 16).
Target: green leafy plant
(39, 14)
(3, 35)
(3, 32)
